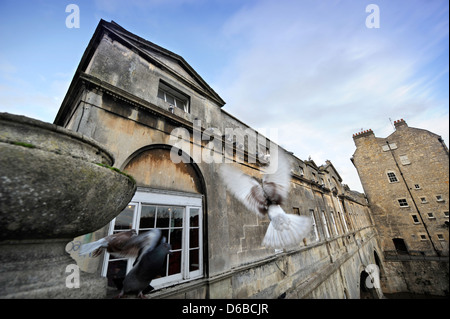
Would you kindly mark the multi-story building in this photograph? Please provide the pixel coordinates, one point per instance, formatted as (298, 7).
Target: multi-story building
(406, 180)
(167, 128)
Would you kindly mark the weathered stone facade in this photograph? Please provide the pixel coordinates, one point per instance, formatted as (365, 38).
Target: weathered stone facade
(405, 177)
(120, 97)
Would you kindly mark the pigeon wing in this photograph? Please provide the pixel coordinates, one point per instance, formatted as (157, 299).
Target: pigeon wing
(143, 243)
(117, 242)
(277, 179)
(111, 242)
(246, 189)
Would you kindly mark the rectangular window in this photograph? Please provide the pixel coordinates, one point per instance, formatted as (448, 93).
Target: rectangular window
(423, 200)
(296, 210)
(404, 160)
(392, 177)
(431, 216)
(423, 237)
(440, 236)
(403, 203)
(439, 198)
(416, 186)
(315, 233)
(179, 218)
(415, 219)
(173, 97)
(325, 225)
(333, 221)
(446, 214)
(391, 146)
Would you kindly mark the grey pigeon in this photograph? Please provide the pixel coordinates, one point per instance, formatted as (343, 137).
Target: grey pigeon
(148, 265)
(264, 199)
(125, 244)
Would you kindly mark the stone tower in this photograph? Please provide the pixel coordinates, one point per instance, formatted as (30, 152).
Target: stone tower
(406, 178)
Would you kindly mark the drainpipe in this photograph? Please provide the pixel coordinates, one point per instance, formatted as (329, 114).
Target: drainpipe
(412, 198)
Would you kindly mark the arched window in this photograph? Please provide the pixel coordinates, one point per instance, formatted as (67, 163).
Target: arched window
(170, 196)
(366, 291)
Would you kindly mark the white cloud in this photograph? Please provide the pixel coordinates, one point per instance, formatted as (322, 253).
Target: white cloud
(313, 70)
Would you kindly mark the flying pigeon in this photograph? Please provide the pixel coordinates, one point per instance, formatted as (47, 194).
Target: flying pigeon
(148, 265)
(285, 230)
(122, 244)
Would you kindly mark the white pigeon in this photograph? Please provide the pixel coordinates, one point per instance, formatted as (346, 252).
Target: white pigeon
(285, 230)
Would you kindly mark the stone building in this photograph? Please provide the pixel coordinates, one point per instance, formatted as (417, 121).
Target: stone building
(405, 177)
(167, 128)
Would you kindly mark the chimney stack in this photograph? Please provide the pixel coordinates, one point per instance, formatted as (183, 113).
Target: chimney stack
(363, 134)
(399, 124)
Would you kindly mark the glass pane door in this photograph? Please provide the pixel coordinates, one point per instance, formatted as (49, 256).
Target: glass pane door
(195, 241)
(117, 267)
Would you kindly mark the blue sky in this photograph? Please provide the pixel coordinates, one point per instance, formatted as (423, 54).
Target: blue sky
(311, 69)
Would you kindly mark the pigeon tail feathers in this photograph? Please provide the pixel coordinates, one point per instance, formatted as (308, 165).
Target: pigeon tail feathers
(90, 247)
(285, 230)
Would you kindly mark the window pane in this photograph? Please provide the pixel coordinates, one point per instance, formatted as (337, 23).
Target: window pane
(163, 216)
(181, 104)
(170, 99)
(194, 215)
(177, 217)
(193, 260)
(116, 273)
(125, 219)
(193, 238)
(165, 233)
(174, 263)
(161, 94)
(147, 216)
(176, 236)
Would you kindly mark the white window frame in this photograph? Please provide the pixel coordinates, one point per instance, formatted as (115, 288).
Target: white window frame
(415, 219)
(390, 178)
(404, 160)
(167, 198)
(400, 201)
(343, 216)
(325, 224)
(333, 221)
(314, 225)
(175, 95)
